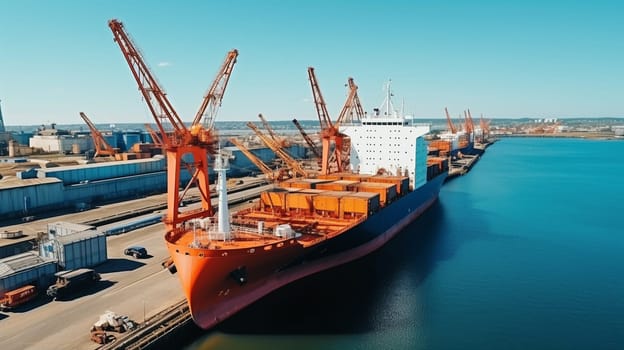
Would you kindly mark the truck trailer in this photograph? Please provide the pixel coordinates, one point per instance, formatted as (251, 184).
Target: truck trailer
(71, 281)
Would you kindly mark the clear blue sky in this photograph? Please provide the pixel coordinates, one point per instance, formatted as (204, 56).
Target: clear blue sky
(500, 58)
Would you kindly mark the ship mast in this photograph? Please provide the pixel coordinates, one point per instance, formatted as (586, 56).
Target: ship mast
(387, 103)
(221, 166)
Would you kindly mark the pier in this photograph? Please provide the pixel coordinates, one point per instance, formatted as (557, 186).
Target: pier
(463, 164)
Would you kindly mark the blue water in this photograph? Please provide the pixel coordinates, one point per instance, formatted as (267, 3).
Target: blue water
(524, 252)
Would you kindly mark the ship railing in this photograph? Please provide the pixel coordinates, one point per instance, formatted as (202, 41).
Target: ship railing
(252, 230)
(204, 237)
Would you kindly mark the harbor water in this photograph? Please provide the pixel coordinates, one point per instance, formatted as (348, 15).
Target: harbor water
(526, 251)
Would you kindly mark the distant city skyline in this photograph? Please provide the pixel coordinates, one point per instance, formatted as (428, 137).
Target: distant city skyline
(530, 59)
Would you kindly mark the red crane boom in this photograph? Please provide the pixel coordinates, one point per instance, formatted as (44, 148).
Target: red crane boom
(197, 141)
(307, 139)
(154, 96)
(468, 122)
(214, 95)
(452, 128)
(319, 102)
(352, 109)
(330, 135)
(102, 148)
(271, 175)
(279, 151)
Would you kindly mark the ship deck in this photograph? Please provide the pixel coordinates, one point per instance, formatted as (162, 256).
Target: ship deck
(308, 230)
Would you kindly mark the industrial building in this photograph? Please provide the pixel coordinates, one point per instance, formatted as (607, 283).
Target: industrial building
(79, 187)
(26, 268)
(74, 246)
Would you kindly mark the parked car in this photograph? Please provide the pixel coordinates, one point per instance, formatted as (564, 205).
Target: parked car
(136, 251)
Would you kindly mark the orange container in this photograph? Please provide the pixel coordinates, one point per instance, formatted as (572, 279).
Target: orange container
(18, 296)
(338, 185)
(360, 203)
(356, 177)
(401, 182)
(441, 145)
(303, 183)
(329, 201)
(301, 200)
(286, 183)
(333, 176)
(387, 192)
(275, 198)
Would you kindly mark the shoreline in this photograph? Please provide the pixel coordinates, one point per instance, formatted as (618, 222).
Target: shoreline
(571, 135)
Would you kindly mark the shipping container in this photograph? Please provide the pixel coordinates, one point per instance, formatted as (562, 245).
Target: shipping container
(441, 162)
(332, 176)
(304, 183)
(345, 176)
(442, 146)
(355, 177)
(360, 203)
(338, 185)
(16, 297)
(301, 201)
(401, 182)
(387, 192)
(275, 198)
(328, 202)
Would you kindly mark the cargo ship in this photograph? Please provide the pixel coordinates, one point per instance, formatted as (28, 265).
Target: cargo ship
(301, 226)
(304, 226)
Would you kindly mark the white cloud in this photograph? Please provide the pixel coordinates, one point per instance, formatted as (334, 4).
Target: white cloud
(164, 64)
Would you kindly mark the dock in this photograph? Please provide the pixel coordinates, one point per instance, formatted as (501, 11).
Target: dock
(138, 288)
(464, 164)
(461, 166)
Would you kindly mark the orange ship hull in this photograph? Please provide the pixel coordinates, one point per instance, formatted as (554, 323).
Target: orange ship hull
(211, 276)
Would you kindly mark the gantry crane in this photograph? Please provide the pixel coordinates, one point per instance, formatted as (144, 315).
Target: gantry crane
(451, 127)
(352, 110)
(469, 125)
(271, 175)
(102, 148)
(279, 151)
(198, 140)
(307, 139)
(485, 127)
(329, 132)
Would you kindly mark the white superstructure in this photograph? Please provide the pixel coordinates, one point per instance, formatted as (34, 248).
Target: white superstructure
(389, 144)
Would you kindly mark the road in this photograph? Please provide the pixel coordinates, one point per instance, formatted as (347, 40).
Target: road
(137, 288)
